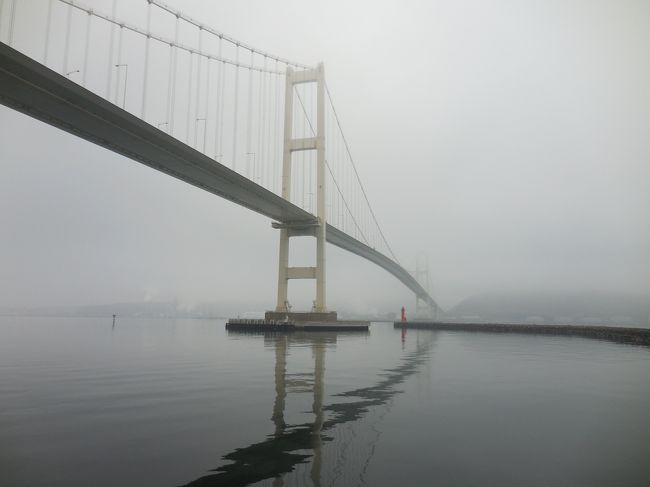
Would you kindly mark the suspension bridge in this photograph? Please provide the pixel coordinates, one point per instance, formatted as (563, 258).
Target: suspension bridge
(167, 91)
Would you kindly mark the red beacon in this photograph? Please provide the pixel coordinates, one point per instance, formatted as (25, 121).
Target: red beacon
(403, 313)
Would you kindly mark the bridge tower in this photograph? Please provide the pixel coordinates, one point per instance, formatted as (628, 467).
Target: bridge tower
(295, 229)
(422, 309)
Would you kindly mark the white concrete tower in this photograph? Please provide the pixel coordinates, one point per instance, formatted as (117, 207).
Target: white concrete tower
(317, 230)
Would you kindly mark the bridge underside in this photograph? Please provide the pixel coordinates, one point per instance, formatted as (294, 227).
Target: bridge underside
(31, 88)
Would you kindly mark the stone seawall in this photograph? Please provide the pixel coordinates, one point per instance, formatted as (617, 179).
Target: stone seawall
(637, 336)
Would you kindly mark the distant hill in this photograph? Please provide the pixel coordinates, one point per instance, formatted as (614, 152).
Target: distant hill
(583, 308)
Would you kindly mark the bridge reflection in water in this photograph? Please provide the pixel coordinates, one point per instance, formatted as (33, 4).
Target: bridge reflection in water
(300, 450)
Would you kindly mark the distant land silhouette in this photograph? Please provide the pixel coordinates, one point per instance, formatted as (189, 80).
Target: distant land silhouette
(172, 309)
(553, 307)
(593, 308)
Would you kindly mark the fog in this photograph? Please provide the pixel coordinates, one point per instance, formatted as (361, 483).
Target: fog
(508, 142)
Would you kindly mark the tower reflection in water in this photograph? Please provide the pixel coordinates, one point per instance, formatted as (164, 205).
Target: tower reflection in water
(321, 451)
(319, 341)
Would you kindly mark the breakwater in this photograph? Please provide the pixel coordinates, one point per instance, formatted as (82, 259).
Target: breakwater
(636, 336)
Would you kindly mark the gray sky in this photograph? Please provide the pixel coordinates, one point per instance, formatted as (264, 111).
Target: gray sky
(507, 141)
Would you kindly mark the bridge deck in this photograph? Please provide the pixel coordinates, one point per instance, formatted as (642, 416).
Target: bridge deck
(31, 88)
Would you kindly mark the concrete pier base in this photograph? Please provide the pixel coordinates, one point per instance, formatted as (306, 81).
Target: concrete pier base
(297, 321)
(301, 316)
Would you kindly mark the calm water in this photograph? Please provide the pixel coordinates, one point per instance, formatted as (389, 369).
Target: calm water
(172, 402)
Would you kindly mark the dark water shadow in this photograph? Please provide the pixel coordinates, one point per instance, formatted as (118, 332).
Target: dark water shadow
(292, 445)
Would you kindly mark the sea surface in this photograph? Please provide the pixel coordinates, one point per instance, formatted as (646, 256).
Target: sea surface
(159, 402)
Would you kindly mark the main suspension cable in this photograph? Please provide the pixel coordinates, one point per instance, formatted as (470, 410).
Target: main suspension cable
(156, 37)
(347, 148)
(330, 170)
(180, 15)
